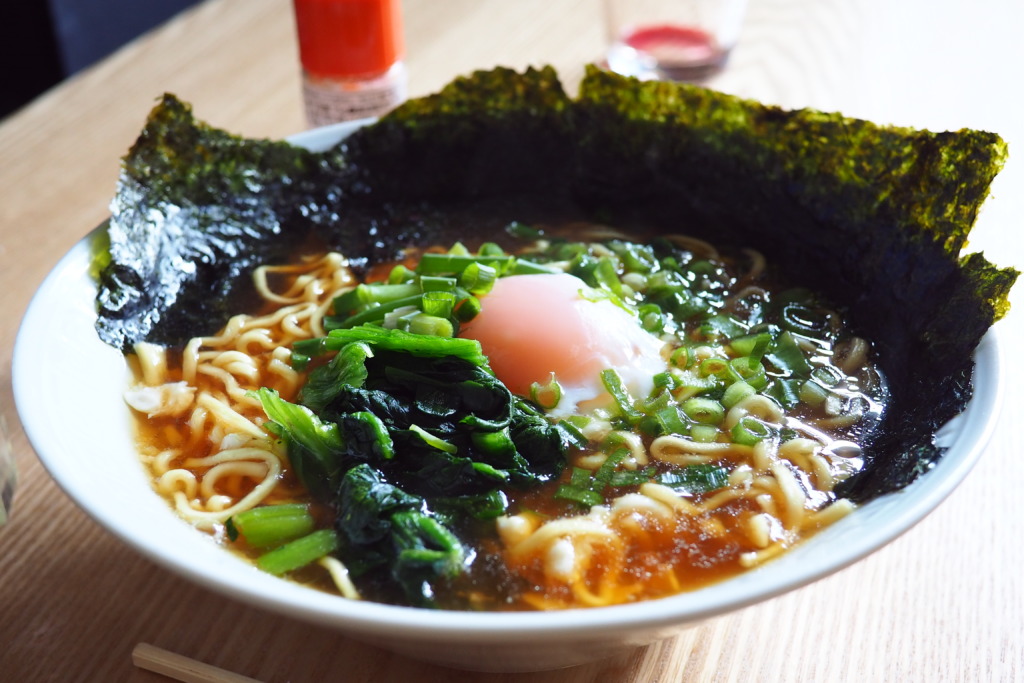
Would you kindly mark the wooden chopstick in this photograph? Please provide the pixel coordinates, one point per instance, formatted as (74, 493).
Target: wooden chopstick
(181, 668)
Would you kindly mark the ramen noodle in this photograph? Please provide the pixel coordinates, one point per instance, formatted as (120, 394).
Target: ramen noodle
(710, 415)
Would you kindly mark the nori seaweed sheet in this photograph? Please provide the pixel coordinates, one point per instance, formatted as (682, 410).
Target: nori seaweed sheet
(195, 208)
(873, 216)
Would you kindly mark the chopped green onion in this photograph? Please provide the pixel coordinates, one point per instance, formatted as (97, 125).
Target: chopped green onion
(750, 431)
(680, 357)
(827, 375)
(736, 392)
(786, 392)
(299, 361)
(400, 274)
(689, 306)
(651, 317)
(670, 420)
(786, 355)
(490, 249)
(584, 266)
(666, 380)
(567, 251)
(615, 441)
(580, 477)
(653, 403)
(579, 490)
(613, 384)
(299, 553)
(374, 313)
(703, 267)
(695, 478)
(704, 410)
(723, 326)
(400, 317)
(547, 396)
(311, 347)
(812, 393)
(692, 382)
(636, 258)
(437, 283)
(522, 231)
(478, 278)
(570, 430)
(435, 264)
(604, 473)
(438, 303)
(649, 426)
(579, 422)
(748, 369)
(631, 477)
(524, 267)
(713, 367)
(467, 308)
(355, 298)
(271, 524)
(665, 283)
(607, 276)
(753, 345)
(586, 488)
(704, 433)
(579, 495)
(364, 295)
(804, 320)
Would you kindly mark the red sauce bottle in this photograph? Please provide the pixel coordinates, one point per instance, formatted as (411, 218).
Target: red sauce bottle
(351, 53)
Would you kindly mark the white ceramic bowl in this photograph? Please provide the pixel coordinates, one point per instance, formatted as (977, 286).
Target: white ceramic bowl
(68, 388)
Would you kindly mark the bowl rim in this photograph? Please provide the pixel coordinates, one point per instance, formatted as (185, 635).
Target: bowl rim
(912, 504)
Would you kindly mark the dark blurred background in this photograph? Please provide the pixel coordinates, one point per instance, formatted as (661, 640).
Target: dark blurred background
(44, 41)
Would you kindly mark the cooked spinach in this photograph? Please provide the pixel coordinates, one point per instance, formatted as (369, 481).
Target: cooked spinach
(401, 439)
(384, 529)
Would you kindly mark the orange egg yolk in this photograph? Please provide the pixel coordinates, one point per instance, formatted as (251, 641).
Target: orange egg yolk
(531, 326)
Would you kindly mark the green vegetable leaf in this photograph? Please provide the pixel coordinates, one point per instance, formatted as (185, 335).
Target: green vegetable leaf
(347, 368)
(383, 528)
(315, 448)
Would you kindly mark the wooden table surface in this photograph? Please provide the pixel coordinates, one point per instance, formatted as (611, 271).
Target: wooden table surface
(943, 602)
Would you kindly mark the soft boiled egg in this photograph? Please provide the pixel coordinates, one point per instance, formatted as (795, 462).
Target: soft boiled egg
(534, 326)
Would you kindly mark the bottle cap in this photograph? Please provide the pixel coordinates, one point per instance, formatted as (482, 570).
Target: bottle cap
(349, 38)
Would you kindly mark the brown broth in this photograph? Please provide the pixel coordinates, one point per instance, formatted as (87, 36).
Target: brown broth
(655, 559)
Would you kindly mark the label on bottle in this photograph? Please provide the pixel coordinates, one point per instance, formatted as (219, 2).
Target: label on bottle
(330, 101)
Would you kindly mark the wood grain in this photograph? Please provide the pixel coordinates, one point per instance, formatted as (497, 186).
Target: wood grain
(943, 603)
